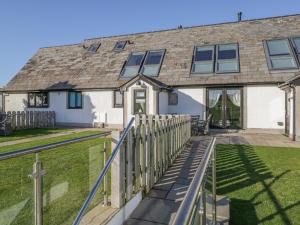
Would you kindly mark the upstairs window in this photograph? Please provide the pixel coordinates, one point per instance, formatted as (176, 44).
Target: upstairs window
(280, 55)
(93, 48)
(133, 64)
(223, 58)
(118, 99)
(227, 58)
(147, 63)
(120, 45)
(152, 63)
(74, 100)
(203, 59)
(296, 42)
(38, 100)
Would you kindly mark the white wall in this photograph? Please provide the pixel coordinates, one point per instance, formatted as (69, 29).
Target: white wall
(16, 102)
(190, 101)
(97, 107)
(163, 103)
(265, 107)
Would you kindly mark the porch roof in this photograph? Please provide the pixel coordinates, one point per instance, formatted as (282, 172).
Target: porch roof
(150, 80)
(295, 80)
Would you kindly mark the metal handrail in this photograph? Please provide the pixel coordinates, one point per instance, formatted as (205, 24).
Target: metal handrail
(26, 151)
(185, 211)
(102, 174)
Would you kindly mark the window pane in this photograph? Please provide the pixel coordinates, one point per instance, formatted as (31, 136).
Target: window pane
(135, 59)
(120, 45)
(72, 99)
(130, 71)
(93, 47)
(297, 44)
(227, 66)
(38, 100)
(79, 100)
(205, 67)
(153, 58)
(31, 99)
(118, 98)
(140, 94)
(204, 53)
(140, 106)
(278, 47)
(150, 70)
(45, 99)
(283, 62)
(227, 51)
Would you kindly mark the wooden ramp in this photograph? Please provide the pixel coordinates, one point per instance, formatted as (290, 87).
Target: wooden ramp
(162, 202)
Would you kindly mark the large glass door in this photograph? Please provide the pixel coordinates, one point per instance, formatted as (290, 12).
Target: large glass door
(224, 104)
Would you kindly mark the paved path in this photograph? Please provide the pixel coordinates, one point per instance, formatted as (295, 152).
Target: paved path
(258, 139)
(161, 204)
(42, 137)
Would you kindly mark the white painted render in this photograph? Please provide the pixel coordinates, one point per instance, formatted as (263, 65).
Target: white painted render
(163, 103)
(265, 107)
(190, 101)
(97, 107)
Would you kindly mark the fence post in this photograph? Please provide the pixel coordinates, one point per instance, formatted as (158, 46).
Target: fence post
(214, 195)
(117, 174)
(129, 165)
(37, 174)
(105, 200)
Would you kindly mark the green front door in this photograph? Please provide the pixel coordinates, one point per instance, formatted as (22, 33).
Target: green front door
(224, 104)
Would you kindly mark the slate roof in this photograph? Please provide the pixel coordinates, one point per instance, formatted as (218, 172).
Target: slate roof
(72, 67)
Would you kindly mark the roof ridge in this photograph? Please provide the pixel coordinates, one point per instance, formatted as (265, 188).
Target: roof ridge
(190, 27)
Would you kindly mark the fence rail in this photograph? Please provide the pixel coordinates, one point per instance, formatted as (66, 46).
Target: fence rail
(18, 120)
(193, 209)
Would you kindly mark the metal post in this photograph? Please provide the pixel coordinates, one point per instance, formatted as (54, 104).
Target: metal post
(105, 200)
(37, 174)
(214, 197)
(203, 208)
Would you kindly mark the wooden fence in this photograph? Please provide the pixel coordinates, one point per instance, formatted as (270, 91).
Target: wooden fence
(30, 119)
(150, 148)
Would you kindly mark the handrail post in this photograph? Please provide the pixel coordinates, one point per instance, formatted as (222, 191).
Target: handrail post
(37, 174)
(105, 199)
(214, 195)
(203, 202)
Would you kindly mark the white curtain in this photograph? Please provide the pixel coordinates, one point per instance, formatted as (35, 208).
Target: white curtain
(214, 96)
(235, 97)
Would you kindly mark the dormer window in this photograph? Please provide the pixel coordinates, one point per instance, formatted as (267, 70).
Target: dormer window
(222, 58)
(203, 59)
(93, 48)
(147, 63)
(280, 54)
(227, 58)
(120, 45)
(152, 63)
(133, 64)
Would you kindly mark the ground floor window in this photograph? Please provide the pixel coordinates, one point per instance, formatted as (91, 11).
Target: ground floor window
(118, 99)
(74, 100)
(38, 100)
(139, 102)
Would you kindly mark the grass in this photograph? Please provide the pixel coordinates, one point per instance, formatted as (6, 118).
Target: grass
(263, 183)
(70, 172)
(21, 134)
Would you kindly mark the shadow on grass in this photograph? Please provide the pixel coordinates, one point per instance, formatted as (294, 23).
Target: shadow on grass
(238, 167)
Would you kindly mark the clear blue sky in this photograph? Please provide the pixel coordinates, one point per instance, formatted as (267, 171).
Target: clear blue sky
(26, 25)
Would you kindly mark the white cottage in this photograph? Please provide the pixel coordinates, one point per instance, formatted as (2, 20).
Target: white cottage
(230, 70)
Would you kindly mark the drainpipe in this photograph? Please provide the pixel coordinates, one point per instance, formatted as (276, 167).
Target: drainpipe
(294, 111)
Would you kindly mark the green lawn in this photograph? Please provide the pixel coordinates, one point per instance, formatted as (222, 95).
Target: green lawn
(263, 183)
(21, 134)
(70, 172)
